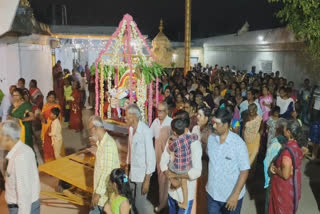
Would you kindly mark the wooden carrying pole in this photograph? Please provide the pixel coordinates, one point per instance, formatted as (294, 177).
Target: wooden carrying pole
(187, 36)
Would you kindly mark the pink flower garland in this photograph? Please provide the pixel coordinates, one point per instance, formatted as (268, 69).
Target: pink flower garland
(129, 19)
(114, 35)
(150, 104)
(157, 92)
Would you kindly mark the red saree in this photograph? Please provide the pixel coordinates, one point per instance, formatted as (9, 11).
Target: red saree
(48, 152)
(76, 111)
(285, 194)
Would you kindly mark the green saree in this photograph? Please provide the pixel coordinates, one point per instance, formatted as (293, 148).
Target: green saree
(19, 113)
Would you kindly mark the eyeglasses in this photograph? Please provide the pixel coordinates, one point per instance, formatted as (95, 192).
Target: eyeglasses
(161, 110)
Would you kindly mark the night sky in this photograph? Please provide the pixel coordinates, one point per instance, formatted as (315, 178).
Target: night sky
(209, 17)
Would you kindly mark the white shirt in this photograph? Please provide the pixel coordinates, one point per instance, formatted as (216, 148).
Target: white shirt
(194, 172)
(142, 156)
(284, 104)
(22, 178)
(316, 96)
(4, 107)
(157, 126)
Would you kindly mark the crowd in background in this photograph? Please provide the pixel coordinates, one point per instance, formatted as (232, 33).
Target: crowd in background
(257, 116)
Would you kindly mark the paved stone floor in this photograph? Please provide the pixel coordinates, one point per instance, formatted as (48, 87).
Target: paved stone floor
(253, 201)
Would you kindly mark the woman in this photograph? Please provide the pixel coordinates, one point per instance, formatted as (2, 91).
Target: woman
(67, 90)
(216, 96)
(265, 102)
(243, 87)
(75, 108)
(277, 143)
(36, 97)
(285, 190)
(22, 110)
(285, 103)
(48, 152)
(203, 130)
(252, 130)
(179, 103)
(191, 107)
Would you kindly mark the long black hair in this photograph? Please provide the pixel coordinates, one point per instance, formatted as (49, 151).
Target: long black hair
(119, 177)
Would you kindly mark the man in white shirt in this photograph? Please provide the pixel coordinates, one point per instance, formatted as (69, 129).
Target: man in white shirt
(175, 192)
(161, 127)
(21, 175)
(141, 157)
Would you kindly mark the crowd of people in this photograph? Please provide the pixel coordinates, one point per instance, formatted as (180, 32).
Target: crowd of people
(209, 131)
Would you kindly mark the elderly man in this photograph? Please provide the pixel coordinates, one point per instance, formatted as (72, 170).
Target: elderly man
(175, 190)
(141, 157)
(161, 132)
(228, 166)
(21, 174)
(107, 159)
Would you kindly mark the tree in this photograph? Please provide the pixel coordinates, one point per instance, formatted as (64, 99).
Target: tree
(303, 19)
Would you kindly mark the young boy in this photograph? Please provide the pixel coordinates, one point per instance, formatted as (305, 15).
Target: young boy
(56, 132)
(181, 149)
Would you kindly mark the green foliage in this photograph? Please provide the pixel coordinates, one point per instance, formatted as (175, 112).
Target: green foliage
(303, 18)
(150, 72)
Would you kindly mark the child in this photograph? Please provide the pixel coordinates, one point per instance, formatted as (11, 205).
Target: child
(271, 124)
(56, 133)
(181, 149)
(120, 197)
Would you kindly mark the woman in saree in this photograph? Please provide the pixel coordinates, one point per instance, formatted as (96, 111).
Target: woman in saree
(36, 97)
(203, 130)
(48, 152)
(22, 111)
(252, 130)
(75, 108)
(285, 192)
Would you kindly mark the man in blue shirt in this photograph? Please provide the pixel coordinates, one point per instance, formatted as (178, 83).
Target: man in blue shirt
(228, 166)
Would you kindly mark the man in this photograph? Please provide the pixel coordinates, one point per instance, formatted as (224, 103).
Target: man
(175, 190)
(21, 174)
(141, 157)
(228, 166)
(161, 132)
(107, 159)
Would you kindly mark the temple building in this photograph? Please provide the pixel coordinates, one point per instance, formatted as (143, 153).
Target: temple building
(25, 46)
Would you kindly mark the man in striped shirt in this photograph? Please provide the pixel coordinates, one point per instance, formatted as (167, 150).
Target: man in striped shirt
(107, 159)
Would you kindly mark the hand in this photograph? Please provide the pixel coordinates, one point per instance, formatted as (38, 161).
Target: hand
(145, 186)
(95, 199)
(171, 174)
(107, 208)
(273, 169)
(305, 150)
(232, 202)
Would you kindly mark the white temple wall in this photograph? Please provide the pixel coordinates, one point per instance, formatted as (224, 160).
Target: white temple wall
(29, 61)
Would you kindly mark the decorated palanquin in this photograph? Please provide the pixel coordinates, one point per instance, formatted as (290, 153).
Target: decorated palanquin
(126, 66)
